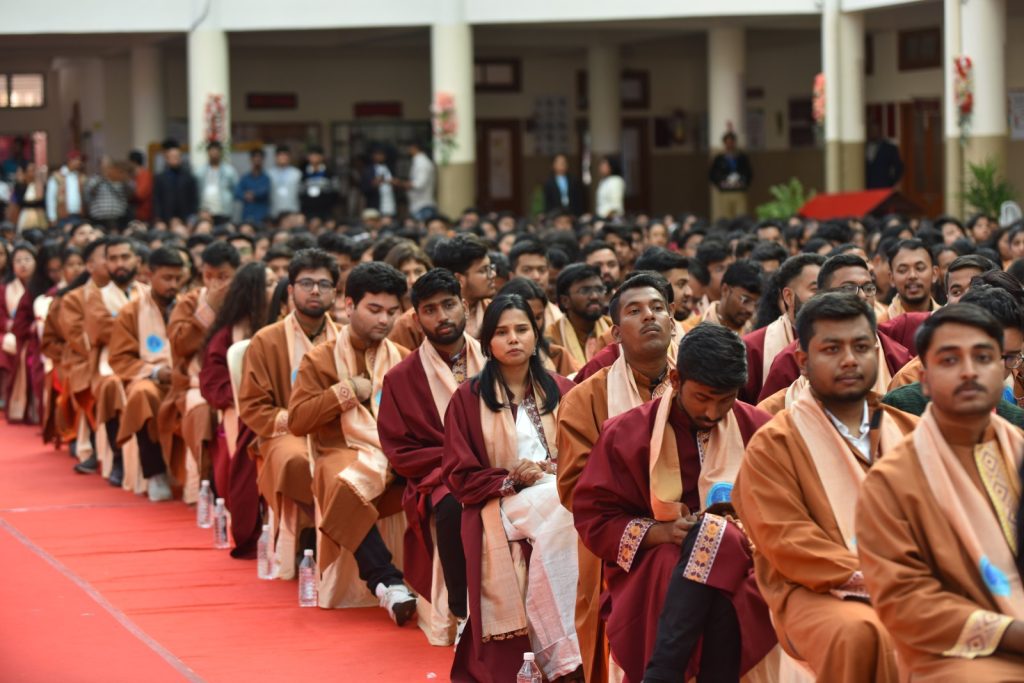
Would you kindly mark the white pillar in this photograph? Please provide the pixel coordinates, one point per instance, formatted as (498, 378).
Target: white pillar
(983, 36)
(953, 187)
(604, 101)
(207, 77)
(851, 101)
(830, 67)
(147, 96)
(451, 73)
(727, 59)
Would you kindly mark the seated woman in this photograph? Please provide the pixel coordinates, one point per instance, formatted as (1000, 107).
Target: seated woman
(245, 310)
(18, 347)
(499, 462)
(555, 358)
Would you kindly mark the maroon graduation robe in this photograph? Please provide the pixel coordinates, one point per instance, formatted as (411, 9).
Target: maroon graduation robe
(25, 331)
(602, 359)
(613, 491)
(412, 437)
(903, 327)
(785, 370)
(471, 479)
(754, 342)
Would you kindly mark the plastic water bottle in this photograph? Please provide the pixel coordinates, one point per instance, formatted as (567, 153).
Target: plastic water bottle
(264, 563)
(307, 580)
(220, 525)
(204, 506)
(530, 672)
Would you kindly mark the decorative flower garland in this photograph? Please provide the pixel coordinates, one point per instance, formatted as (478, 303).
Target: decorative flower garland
(818, 103)
(214, 114)
(445, 124)
(963, 76)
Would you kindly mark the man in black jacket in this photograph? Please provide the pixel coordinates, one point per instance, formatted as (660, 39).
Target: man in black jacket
(174, 189)
(730, 177)
(883, 167)
(563, 192)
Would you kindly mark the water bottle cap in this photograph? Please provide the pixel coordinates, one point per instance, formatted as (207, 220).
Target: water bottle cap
(307, 553)
(266, 527)
(204, 482)
(219, 501)
(527, 656)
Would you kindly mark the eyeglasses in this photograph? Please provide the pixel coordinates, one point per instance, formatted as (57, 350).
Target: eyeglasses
(307, 284)
(597, 290)
(850, 288)
(1012, 361)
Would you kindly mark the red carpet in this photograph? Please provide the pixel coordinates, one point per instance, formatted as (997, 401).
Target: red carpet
(97, 584)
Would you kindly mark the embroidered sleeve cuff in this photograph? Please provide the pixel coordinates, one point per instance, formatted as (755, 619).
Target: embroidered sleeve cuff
(346, 395)
(281, 423)
(629, 544)
(980, 635)
(853, 589)
(508, 487)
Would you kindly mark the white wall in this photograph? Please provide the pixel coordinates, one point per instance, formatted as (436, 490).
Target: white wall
(889, 84)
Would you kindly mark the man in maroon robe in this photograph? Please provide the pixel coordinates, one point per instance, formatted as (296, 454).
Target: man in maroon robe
(654, 608)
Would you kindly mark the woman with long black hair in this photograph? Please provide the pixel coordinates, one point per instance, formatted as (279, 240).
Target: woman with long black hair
(499, 461)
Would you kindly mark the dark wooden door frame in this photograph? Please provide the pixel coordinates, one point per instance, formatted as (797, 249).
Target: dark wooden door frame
(484, 202)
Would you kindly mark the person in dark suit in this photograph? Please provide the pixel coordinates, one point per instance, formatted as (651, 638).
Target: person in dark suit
(883, 167)
(563, 191)
(174, 190)
(730, 176)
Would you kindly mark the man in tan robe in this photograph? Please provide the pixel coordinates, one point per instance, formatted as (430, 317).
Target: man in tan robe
(141, 357)
(466, 256)
(937, 520)
(187, 411)
(643, 324)
(581, 295)
(741, 290)
(796, 493)
(268, 373)
(913, 274)
(102, 305)
(335, 401)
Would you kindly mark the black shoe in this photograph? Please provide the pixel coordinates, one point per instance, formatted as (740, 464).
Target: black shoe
(88, 466)
(116, 471)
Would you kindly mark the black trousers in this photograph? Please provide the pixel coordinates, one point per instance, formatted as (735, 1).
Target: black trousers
(151, 457)
(374, 561)
(693, 610)
(113, 427)
(448, 522)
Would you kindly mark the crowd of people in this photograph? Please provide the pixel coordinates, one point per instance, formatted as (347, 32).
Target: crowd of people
(643, 448)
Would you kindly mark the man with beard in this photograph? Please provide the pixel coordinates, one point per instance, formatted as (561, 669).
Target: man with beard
(580, 294)
(741, 290)
(936, 523)
(271, 364)
(410, 422)
(676, 574)
(529, 259)
(913, 274)
(643, 323)
(141, 356)
(102, 305)
(600, 255)
(797, 492)
(466, 257)
(792, 284)
(335, 402)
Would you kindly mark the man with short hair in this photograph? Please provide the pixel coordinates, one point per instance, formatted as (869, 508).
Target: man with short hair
(410, 422)
(643, 323)
(742, 283)
(270, 368)
(730, 176)
(277, 258)
(652, 472)
(676, 269)
(562, 191)
(529, 259)
(714, 256)
(254, 191)
(65, 190)
(216, 183)
(580, 292)
(913, 274)
(796, 493)
(600, 255)
(960, 273)
(141, 356)
(936, 524)
(174, 189)
(620, 239)
(318, 187)
(284, 181)
(769, 255)
(335, 402)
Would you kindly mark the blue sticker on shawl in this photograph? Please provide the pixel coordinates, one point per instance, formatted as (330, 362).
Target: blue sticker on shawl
(154, 344)
(376, 399)
(994, 578)
(721, 492)
(295, 373)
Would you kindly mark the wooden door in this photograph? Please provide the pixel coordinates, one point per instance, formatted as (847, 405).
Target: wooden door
(636, 164)
(922, 154)
(499, 165)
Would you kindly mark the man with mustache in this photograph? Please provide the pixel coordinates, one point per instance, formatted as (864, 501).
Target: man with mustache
(102, 305)
(581, 293)
(410, 422)
(336, 402)
(741, 290)
(937, 520)
(797, 492)
(642, 321)
(913, 274)
(140, 355)
(271, 364)
(640, 505)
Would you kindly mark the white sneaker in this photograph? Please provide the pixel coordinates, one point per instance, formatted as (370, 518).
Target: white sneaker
(459, 628)
(159, 489)
(398, 600)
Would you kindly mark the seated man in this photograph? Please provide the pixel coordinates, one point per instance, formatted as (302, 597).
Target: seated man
(271, 364)
(936, 523)
(741, 290)
(141, 357)
(335, 401)
(797, 491)
(638, 501)
(580, 294)
(410, 422)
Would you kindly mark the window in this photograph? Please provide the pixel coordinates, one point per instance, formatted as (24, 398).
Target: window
(497, 75)
(920, 49)
(22, 90)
